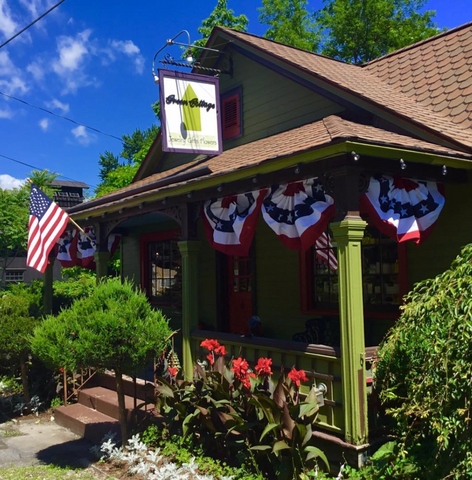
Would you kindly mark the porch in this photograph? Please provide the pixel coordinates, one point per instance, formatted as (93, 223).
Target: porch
(207, 294)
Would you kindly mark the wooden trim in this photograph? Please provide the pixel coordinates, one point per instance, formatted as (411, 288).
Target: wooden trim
(144, 240)
(237, 91)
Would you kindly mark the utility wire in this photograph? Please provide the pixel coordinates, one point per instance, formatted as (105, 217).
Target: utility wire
(38, 168)
(62, 117)
(31, 24)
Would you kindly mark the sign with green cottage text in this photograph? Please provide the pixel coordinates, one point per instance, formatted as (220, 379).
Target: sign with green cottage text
(190, 109)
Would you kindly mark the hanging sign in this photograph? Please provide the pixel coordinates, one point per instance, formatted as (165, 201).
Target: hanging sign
(190, 113)
(402, 208)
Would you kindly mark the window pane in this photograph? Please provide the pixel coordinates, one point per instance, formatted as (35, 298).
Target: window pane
(164, 272)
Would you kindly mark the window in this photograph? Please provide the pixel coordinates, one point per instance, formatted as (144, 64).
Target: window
(382, 274)
(231, 114)
(161, 268)
(15, 276)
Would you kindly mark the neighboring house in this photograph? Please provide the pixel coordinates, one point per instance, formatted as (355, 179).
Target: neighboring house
(68, 194)
(290, 116)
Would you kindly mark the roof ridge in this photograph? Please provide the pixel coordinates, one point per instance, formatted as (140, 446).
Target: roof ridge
(417, 44)
(288, 46)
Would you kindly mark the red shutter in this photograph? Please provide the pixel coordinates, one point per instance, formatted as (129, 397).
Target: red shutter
(231, 117)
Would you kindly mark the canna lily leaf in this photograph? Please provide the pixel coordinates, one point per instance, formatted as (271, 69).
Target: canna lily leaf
(280, 445)
(269, 428)
(314, 452)
(308, 409)
(261, 447)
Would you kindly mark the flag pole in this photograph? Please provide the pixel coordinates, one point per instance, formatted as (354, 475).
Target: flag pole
(73, 221)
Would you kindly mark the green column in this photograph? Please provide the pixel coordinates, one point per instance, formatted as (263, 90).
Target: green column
(47, 286)
(348, 236)
(101, 260)
(189, 250)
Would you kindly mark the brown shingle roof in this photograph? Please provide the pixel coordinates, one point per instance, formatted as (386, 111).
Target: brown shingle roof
(298, 140)
(368, 86)
(436, 72)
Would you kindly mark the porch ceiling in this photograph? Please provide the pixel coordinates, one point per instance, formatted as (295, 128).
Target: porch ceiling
(320, 140)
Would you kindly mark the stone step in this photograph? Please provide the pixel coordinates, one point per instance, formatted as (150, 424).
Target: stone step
(143, 389)
(105, 401)
(86, 422)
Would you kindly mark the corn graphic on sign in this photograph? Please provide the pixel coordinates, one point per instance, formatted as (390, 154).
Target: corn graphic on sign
(190, 106)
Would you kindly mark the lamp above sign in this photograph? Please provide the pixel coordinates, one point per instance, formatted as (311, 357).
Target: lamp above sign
(190, 107)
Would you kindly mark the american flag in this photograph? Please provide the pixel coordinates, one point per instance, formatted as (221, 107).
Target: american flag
(47, 222)
(324, 251)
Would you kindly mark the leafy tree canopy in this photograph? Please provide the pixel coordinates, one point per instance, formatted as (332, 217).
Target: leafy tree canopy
(358, 31)
(290, 23)
(221, 16)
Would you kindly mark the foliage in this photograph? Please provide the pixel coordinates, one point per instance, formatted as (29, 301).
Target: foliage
(65, 292)
(290, 23)
(236, 414)
(134, 151)
(9, 385)
(108, 163)
(114, 327)
(221, 16)
(56, 402)
(358, 31)
(425, 374)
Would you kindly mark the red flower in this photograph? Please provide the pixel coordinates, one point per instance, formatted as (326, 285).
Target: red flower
(61, 370)
(172, 371)
(263, 367)
(211, 358)
(221, 350)
(240, 367)
(297, 376)
(246, 382)
(210, 345)
(252, 375)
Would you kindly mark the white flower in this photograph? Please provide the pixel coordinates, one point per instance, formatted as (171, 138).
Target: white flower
(340, 474)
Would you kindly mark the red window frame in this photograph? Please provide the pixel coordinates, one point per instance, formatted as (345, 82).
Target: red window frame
(306, 286)
(145, 240)
(232, 98)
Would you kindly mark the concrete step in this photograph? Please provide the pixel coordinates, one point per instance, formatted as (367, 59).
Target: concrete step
(143, 389)
(86, 422)
(105, 401)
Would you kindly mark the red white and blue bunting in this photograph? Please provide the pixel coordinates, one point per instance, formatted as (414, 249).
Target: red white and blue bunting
(402, 208)
(298, 212)
(75, 249)
(230, 222)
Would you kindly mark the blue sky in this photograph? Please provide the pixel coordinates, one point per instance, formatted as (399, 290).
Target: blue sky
(91, 60)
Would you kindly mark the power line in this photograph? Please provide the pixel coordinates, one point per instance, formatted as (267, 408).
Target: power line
(62, 117)
(38, 168)
(32, 23)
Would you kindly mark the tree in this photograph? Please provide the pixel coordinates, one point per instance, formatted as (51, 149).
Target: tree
(108, 163)
(425, 371)
(16, 325)
(134, 143)
(115, 328)
(221, 16)
(358, 31)
(290, 23)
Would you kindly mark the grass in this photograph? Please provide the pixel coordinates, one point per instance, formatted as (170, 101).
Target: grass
(47, 472)
(11, 433)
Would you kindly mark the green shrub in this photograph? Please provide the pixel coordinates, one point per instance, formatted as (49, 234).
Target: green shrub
(16, 325)
(56, 402)
(425, 374)
(115, 328)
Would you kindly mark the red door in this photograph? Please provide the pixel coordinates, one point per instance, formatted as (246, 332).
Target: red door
(240, 293)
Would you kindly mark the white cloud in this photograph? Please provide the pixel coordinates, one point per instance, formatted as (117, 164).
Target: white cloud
(7, 182)
(36, 70)
(6, 65)
(127, 47)
(6, 113)
(8, 26)
(83, 136)
(58, 105)
(71, 52)
(44, 124)
(13, 85)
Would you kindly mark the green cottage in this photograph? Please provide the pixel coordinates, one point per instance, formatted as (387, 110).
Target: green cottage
(288, 116)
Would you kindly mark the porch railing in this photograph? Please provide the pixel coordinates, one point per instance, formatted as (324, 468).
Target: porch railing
(321, 363)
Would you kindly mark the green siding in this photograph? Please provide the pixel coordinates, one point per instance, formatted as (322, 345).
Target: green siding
(206, 280)
(131, 268)
(452, 232)
(271, 104)
(277, 286)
